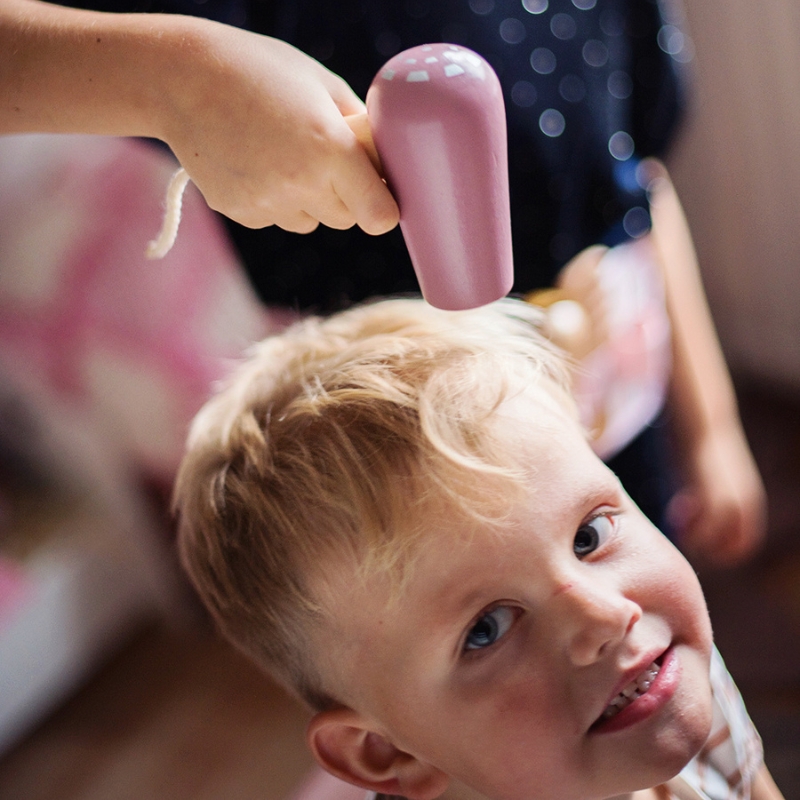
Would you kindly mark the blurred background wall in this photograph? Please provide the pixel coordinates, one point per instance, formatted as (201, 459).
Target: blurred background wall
(737, 168)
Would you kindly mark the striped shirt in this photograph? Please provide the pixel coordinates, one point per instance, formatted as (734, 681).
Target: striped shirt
(730, 759)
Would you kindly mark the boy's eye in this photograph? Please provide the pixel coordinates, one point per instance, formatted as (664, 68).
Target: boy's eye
(591, 535)
(489, 628)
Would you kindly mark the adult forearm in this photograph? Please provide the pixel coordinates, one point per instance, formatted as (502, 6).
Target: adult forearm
(259, 126)
(65, 70)
(701, 383)
(721, 512)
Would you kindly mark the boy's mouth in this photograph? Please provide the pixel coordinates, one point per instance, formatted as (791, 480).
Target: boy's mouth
(636, 688)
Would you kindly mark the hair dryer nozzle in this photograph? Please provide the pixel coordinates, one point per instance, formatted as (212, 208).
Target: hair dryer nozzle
(438, 121)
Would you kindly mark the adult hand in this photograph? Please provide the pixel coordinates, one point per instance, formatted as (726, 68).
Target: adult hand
(720, 515)
(260, 128)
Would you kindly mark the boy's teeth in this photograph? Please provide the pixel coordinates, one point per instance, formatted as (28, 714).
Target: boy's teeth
(636, 688)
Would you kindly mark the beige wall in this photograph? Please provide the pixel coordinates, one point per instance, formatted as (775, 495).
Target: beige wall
(737, 168)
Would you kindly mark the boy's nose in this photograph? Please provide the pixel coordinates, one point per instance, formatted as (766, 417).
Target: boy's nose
(594, 619)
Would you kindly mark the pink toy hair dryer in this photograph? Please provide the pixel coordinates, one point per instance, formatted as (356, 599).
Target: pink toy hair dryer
(437, 118)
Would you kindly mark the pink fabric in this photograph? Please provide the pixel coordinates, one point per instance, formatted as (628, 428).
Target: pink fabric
(620, 387)
(86, 320)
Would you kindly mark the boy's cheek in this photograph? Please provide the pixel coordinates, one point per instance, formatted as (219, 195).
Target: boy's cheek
(666, 585)
(685, 607)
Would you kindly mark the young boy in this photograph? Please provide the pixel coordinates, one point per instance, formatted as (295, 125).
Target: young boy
(396, 512)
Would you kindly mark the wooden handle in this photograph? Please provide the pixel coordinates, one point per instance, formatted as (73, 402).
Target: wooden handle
(359, 124)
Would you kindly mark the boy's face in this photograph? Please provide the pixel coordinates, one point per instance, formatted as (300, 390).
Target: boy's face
(565, 657)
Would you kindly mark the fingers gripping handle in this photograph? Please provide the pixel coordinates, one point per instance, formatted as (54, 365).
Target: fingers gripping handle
(436, 131)
(162, 244)
(359, 125)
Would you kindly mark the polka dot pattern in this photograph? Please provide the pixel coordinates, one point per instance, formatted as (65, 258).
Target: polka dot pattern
(552, 123)
(621, 146)
(535, 6)
(481, 7)
(512, 31)
(543, 61)
(619, 85)
(563, 26)
(595, 53)
(591, 87)
(523, 94)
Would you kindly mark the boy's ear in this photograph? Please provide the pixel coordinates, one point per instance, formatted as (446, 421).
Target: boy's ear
(344, 745)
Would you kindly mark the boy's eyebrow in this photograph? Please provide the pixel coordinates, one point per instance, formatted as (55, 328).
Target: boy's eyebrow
(456, 599)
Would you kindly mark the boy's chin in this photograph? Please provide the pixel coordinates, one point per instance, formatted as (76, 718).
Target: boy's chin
(675, 746)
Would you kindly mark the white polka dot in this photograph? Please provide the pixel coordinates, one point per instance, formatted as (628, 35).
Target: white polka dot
(644, 176)
(552, 122)
(535, 6)
(563, 26)
(673, 13)
(417, 76)
(595, 53)
(686, 53)
(620, 85)
(523, 94)
(543, 61)
(621, 146)
(512, 31)
(670, 39)
(481, 7)
(388, 74)
(572, 88)
(411, 61)
(451, 70)
(431, 60)
(467, 62)
(636, 222)
(612, 22)
(426, 48)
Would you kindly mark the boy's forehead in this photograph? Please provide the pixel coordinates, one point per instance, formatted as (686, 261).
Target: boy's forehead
(356, 589)
(436, 535)
(539, 431)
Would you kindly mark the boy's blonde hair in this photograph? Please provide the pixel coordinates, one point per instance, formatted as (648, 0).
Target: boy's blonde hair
(323, 445)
